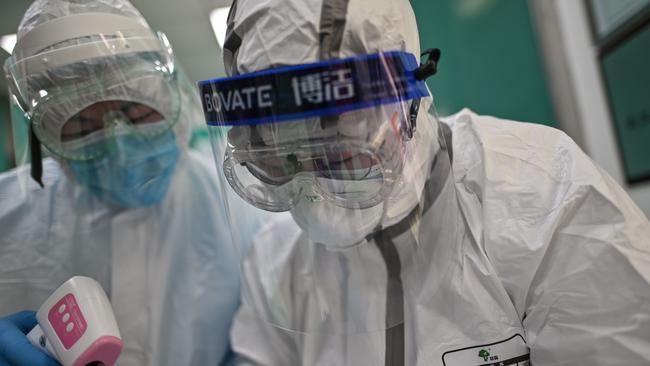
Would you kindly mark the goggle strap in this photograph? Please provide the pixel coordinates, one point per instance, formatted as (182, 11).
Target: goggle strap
(413, 117)
(430, 66)
(36, 156)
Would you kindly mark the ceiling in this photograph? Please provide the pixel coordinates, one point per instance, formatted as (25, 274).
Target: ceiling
(186, 23)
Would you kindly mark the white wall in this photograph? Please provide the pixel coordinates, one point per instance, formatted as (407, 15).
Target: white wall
(578, 90)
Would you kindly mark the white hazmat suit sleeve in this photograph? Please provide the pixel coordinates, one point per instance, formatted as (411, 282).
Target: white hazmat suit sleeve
(567, 244)
(571, 248)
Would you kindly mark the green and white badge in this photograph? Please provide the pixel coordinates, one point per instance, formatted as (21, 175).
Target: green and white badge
(510, 352)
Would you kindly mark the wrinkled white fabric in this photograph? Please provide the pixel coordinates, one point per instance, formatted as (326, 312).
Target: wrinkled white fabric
(280, 32)
(170, 270)
(529, 247)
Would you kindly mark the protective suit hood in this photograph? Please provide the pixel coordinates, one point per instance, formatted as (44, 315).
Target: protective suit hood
(280, 32)
(297, 33)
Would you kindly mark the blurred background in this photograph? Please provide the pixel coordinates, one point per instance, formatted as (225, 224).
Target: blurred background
(578, 65)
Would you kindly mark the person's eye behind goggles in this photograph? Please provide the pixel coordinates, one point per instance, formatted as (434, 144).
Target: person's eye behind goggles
(157, 92)
(100, 116)
(274, 178)
(345, 165)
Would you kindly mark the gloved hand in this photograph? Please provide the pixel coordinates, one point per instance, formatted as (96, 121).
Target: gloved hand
(15, 348)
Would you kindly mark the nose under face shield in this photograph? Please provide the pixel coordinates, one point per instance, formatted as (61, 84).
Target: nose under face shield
(332, 130)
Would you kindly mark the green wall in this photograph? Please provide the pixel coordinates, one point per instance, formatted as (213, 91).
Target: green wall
(628, 81)
(5, 135)
(490, 59)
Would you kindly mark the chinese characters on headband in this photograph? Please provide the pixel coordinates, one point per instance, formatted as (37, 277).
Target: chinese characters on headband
(302, 91)
(326, 86)
(315, 88)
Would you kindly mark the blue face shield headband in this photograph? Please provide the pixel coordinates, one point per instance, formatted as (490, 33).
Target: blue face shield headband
(327, 123)
(312, 90)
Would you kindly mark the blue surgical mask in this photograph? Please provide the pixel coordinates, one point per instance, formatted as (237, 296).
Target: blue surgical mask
(136, 171)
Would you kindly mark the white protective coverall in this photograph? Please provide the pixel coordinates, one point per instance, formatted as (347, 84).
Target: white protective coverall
(532, 254)
(169, 269)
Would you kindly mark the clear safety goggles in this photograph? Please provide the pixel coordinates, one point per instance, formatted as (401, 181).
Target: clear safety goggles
(82, 90)
(337, 127)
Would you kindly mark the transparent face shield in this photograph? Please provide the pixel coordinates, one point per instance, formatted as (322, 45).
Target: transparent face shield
(103, 104)
(77, 97)
(337, 127)
(349, 166)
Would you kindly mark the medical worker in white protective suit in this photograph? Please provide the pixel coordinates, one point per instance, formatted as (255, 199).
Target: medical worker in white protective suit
(122, 200)
(399, 239)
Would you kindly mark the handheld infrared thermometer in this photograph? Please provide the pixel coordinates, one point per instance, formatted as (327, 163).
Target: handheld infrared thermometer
(76, 325)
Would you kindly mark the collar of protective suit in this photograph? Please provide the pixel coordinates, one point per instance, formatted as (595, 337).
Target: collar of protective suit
(170, 270)
(532, 255)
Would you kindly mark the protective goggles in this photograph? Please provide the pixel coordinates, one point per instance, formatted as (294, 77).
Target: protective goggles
(338, 127)
(91, 82)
